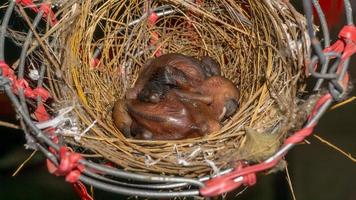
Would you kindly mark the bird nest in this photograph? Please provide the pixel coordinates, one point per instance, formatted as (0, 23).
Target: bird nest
(261, 47)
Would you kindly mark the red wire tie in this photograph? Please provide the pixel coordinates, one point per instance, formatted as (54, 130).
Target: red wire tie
(45, 7)
(152, 20)
(41, 113)
(28, 4)
(345, 45)
(19, 84)
(6, 70)
(226, 183)
(68, 165)
(28, 92)
(41, 92)
(300, 135)
(71, 169)
(48, 12)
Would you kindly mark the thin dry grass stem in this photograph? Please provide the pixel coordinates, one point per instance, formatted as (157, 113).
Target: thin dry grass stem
(24, 163)
(9, 125)
(348, 155)
(290, 183)
(92, 192)
(4, 6)
(252, 40)
(347, 101)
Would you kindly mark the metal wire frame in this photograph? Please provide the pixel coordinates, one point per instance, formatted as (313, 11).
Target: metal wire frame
(161, 186)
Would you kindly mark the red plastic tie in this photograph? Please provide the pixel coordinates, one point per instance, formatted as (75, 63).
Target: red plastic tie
(19, 84)
(345, 45)
(68, 165)
(6, 70)
(41, 92)
(28, 4)
(41, 113)
(152, 19)
(299, 136)
(226, 183)
(48, 12)
(318, 104)
(348, 32)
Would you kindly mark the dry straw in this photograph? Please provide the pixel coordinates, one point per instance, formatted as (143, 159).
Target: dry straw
(261, 46)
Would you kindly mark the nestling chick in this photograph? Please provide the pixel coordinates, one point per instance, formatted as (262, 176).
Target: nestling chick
(176, 97)
(218, 92)
(122, 119)
(171, 71)
(210, 66)
(205, 120)
(224, 95)
(171, 119)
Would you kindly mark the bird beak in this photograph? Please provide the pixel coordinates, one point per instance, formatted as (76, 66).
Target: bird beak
(222, 115)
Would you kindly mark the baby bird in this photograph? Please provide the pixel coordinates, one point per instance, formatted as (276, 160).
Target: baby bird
(210, 66)
(202, 116)
(176, 97)
(121, 118)
(171, 71)
(218, 92)
(224, 96)
(171, 119)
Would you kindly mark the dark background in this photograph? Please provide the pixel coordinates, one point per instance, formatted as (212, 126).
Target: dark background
(317, 171)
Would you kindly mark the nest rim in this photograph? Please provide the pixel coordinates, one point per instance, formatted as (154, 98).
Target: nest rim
(232, 128)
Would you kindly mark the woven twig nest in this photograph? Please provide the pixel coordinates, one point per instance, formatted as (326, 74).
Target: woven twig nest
(260, 46)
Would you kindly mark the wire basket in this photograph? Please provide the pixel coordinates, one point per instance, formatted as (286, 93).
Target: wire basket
(79, 57)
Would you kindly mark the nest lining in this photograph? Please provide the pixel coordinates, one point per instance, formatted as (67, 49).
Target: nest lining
(260, 45)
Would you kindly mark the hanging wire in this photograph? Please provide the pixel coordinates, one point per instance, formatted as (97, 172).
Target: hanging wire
(326, 37)
(5, 23)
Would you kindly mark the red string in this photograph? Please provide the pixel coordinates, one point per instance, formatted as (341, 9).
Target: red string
(81, 190)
